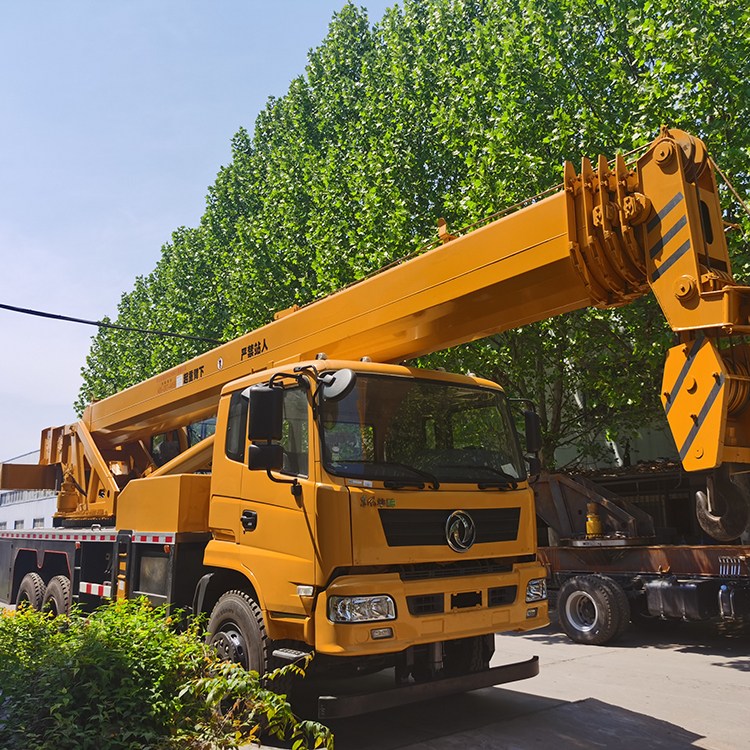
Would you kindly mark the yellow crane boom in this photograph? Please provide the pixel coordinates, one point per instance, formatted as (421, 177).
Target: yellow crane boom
(607, 236)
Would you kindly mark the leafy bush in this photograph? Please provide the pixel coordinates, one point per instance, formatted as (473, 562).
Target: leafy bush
(126, 677)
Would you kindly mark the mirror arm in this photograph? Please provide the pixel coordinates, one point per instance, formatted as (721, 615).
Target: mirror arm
(295, 487)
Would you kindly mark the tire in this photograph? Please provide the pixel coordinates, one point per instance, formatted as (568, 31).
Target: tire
(591, 610)
(237, 631)
(621, 602)
(31, 591)
(57, 597)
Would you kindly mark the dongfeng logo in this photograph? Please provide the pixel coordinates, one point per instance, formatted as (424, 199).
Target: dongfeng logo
(460, 531)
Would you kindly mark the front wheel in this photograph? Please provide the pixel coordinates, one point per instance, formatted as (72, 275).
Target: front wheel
(237, 631)
(592, 609)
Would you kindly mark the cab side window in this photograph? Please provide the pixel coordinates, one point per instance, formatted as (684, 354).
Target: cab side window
(237, 428)
(295, 432)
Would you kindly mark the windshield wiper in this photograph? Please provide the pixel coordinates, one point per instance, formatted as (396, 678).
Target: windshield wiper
(510, 483)
(500, 485)
(399, 484)
(419, 472)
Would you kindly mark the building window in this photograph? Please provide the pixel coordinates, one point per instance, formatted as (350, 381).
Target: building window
(18, 524)
(3, 525)
(38, 523)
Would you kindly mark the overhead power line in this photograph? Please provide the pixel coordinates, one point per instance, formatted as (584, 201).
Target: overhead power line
(103, 324)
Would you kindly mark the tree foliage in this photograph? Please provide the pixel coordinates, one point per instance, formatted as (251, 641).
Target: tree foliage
(451, 108)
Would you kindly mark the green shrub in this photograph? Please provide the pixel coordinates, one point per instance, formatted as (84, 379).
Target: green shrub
(126, 677)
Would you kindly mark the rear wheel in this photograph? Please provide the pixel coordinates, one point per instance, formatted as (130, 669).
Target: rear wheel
(57, 597)
(621, 603)
(31, 591)
(592, 609)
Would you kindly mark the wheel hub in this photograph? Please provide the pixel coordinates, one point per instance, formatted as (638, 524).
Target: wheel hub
(582, 611)
(230, 646)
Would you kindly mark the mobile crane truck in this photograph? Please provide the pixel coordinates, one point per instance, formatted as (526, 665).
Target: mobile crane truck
(376, 513)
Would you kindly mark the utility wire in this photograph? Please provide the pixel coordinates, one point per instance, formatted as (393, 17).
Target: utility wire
(102, 324)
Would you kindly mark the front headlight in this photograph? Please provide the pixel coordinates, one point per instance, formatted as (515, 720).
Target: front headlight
(361, 608)
(536, 590)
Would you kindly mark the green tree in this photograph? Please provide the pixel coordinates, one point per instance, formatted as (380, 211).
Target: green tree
(452, 108)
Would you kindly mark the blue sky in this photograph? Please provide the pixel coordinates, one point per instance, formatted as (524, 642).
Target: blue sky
(114, 119)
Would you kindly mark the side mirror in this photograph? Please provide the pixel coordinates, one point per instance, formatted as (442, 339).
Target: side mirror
(337, 385)
(533, 432)
(534, 465)
(265, 457)
(266, 405)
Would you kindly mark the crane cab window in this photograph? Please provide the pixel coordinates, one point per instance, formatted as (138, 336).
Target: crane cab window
(198, 431)
(165, 447)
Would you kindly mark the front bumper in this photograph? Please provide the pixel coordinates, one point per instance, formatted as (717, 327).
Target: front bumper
(337, 707)
(466, 610)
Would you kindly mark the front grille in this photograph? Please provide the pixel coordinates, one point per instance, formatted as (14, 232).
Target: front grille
(466, 599)
(416, 528)
(501, 595)
(426, 604)
(434, 604)
(424, 571)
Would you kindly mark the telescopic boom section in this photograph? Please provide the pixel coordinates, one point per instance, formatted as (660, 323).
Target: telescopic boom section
(504, 275)
(603, 240)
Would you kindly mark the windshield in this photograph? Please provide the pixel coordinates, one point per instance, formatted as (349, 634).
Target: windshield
(410, 432)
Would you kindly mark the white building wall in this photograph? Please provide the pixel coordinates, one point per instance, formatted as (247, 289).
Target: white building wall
(27, 509)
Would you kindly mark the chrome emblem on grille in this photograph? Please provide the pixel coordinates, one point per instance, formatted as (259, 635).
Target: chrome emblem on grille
(460, 531)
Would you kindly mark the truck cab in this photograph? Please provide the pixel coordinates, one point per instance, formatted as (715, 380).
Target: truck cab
(393, 519)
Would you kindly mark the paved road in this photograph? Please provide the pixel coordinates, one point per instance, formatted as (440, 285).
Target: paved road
(679, 687)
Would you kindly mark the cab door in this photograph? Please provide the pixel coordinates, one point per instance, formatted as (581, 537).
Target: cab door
(276, 530)
(230, 447)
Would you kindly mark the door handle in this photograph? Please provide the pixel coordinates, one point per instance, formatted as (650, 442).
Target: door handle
(249, 520)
